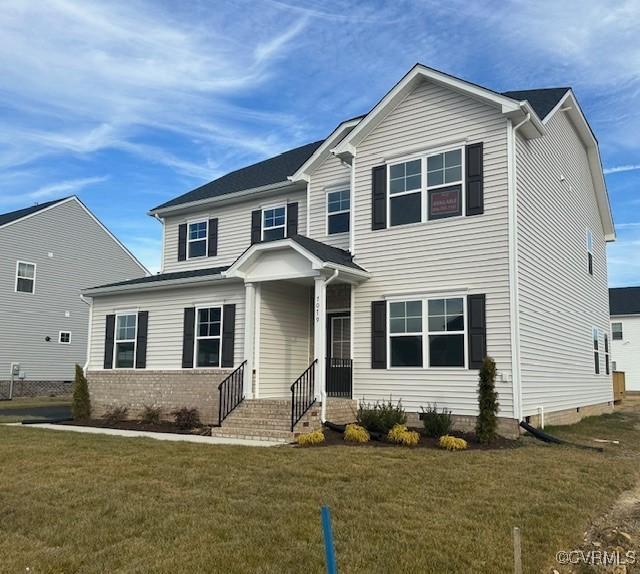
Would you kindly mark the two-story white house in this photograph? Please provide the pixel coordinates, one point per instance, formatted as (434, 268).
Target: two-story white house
(387, 260)
(624, 306)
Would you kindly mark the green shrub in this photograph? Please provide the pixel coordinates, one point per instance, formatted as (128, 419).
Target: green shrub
(381, 417)
(452, 443)
(81, 404)
(116, 414)
(436, 423)
(401, 435)
(186, 418)
(487, 422)
(310, 438)
(356, 433)
(151, 415)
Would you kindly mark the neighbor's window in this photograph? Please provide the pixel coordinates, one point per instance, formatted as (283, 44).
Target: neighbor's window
(616, 331)
(64, 337)
(405, 333)
(197, 239)
(25, 277)
(125, 343)
(596, 354)
(208, 337)
(446, 332)
(590, 251)
(444, 184)
(405, 192)
(274, 221)
(606, 354)
(338, 206)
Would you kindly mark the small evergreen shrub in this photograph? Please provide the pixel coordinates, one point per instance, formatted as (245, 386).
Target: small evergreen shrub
(81, 404)
(436, 424)
(452, 443)
(151, 415)
(381, 417)
(487, 422)
(116, 414)
(356, 433)
(186, 418)
(399, 434)
(310, 438)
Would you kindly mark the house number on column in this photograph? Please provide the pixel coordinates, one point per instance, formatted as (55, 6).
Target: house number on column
(317, 309)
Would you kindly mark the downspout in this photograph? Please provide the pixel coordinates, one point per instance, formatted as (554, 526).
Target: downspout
(161, 220)
(323, 390)
(513, 267)
(90, 303)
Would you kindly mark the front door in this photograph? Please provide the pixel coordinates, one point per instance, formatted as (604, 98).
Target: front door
(339, 355)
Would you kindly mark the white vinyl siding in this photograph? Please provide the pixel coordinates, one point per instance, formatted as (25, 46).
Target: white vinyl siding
(234, 230)
(69, 249)
(625, 352)
(166, 320)
(560, 302)
(468, 255)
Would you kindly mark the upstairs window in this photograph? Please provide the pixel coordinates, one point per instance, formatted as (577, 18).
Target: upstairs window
(405, 333)
(405, 192)
(446, 332)
(125, 340)
(590, 252)
(25, 277)
(274, 223)
(606, 354)
(444, 184)
(208, 337)
(616, 331)
(197, 239)
(596, 354)
(338, 208)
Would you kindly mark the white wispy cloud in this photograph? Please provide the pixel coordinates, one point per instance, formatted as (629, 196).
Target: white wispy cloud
(621, 168)
(69, 186)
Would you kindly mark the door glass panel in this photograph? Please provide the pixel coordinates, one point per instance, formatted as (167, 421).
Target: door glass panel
(340, 337)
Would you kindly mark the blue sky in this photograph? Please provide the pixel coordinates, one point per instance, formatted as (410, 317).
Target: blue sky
(128, 104)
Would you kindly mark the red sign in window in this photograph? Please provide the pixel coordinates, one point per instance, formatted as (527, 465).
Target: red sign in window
(445, 202)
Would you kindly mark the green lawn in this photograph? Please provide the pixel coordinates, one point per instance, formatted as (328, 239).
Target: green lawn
(91, 504)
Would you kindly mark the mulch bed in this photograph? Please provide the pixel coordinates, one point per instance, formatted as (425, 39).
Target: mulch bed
(333, 438)
(163, 427)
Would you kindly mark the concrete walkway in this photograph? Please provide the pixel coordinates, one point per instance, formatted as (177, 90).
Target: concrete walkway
(155, 435)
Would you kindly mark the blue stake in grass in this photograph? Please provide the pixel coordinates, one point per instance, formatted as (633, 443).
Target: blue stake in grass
(329, 552)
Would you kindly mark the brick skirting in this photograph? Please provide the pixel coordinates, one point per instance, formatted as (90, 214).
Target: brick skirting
(571, 416)
(36, 388)
(507, 428)
(168, 390)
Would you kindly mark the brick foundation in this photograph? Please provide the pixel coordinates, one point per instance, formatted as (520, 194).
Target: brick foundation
(339, 411)
(507, 428)
(36, 388)
(571, 416)
(168, 390)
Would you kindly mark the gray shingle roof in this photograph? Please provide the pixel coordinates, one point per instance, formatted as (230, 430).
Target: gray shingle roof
(166, 277)
(541, 100)
(624, 301)
(20, 213)
(326, 253)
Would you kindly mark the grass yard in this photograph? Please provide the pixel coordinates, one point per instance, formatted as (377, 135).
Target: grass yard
(91, 504)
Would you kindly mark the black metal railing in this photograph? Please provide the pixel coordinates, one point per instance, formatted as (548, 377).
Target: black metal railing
(303, 394)
(339, 377)
(231, 393)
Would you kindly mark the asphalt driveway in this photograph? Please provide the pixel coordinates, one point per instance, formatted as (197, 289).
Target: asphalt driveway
(48, 412)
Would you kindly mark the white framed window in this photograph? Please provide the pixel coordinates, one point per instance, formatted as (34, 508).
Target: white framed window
(64, 337)
(197, 237)
(616, 331)
(25, 277)
(124, 350)
(446, 329)
(405, 334)
(590, 251)
(596, 352)
(428, 186)
(607, 368)
(208, 339)
(274, 223)
(338, 210)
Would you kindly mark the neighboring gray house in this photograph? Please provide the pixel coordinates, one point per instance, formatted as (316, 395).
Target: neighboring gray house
(48, 253)
(624, 306)
(448, 223)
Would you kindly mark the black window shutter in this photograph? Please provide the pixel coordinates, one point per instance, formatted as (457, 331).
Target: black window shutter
(228, 334)
(379, 197)
(475, 185)
(188, 335)
(378, 334)
(477, 327)
(108, 341)
(212, 249)
(141, 340)
(182, 242)
(292, 219)
(256, 226)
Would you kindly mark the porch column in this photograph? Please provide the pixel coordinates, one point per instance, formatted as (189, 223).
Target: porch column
(249, 337)
(320, 333)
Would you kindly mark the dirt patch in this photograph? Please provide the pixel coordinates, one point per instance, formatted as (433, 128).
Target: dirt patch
(163, 427)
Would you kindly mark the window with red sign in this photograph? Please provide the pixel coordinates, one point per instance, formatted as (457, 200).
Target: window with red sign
(444, 184)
